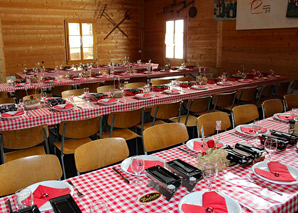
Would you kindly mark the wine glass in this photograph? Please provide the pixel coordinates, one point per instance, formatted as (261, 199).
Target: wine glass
(23, 198)
(258, 128)
(270, 146)
(210, 172)
(137, 166)
(43, 96)
(99, 207)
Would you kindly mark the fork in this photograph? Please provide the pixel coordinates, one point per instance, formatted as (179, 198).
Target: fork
(250, 179)
(78, 192)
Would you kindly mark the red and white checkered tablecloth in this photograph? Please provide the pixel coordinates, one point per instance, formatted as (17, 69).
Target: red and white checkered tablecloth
(44, 116)
(105, 184)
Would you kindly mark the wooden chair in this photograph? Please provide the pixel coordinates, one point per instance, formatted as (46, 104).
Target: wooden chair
(160, 81)
(163, 136)
(92, 87)
(186, 78)
(105, 88)
(135, 85)
(100, 153)
(246, 95)
(23, 172)
(266, 92)
(57, 90)
(224, 101)
(272, 106)
(208, 121)
(24, 142)
(282, 89)
(79, 132)
(74, 92)
(291, 101)
(244, 113)
(7, 100)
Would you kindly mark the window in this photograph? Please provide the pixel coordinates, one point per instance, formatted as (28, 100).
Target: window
(80, 41)
(174, 39)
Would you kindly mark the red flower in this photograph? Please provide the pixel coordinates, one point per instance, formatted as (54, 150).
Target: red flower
(211, 143)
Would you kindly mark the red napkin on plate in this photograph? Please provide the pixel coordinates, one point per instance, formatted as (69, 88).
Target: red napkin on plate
(201, 86)
(174, 91)
(6, 115)
(43, 194)
(147, 95)
(211, 200)
(250, 130)
(198, 146)
(287, 117)
(148, 164)
(109, 101)
(67, 106)
(278, 172)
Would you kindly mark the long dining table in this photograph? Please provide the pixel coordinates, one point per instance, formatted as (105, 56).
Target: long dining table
(87, 110)
(104, 184)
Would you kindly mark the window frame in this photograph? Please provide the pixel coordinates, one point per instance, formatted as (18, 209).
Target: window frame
(67, 46)
(177, 60)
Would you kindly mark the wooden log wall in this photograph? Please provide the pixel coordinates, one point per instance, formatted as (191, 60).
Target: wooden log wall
(2, 60)
(218, 45)
(33, 31)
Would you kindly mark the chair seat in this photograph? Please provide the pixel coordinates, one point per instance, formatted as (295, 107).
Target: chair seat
(71, 145)
(9, 156)
(191, 121)
(149, 124)
(126, 134)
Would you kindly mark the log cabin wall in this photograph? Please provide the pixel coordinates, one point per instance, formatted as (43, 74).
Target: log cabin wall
(219, 46)
(2, 60)
(33, 31)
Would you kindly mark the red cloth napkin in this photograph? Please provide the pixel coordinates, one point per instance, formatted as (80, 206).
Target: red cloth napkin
(67, 106)
(287, 117)
(147, 95)
(43, 194)
(173, 91)
(201, 86)
(5, 115)
(210, 200)
(109, 101)
(250, 130)
(198, 146)
(278, 172)
(148, 164)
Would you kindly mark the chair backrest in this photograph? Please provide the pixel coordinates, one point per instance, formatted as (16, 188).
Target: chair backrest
(125, 119)
(74, 92)
(24, 138)
(100, 153)
(291, 101)
(186, 78)
(105, 88)
(165, 111)
(80, 128)
(244, 113)
(272, 106)
(92, 86)
(160, 81)
(247, 94)
(199, 105)
(135, 85)
(282, 88)
(224, 99)
(208, 121)
(7, 100)
(164, 135)
(57, 90)
(3, 95)
(23, 172)
(28, 97)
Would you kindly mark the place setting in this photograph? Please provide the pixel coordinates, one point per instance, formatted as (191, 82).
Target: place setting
(11, 111)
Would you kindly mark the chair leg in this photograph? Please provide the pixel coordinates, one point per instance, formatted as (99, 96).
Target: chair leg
(63, 166)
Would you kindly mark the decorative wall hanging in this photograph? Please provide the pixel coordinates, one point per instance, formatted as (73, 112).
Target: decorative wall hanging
(171, 8)
(225, 10)
(292, 11)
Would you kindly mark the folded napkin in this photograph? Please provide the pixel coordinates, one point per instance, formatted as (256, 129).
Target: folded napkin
(111, 100)
(67, 106)
(173, 91)
(278, 172)
(201, 86)
(148, 164)
(250, 130)
(43, 194)
(198, 146)
(6, 115)
(211, 200)
(226, 83)
(146, 95)
(287, 117)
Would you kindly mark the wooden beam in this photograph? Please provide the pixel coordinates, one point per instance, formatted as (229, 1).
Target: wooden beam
(2, 59)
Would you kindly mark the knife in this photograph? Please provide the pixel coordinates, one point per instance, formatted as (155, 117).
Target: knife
(124, 178)
(188, 170)
(183, 150)
(9, 205)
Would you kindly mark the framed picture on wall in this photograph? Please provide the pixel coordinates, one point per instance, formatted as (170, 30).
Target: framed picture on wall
(292, 11)
(225, 10)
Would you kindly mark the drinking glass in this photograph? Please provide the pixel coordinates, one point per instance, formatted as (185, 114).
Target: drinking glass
(99, 207)
(270, 146)
(43, 96)
(210, 172)
(137, 166)
(23, 198)
(21, 106)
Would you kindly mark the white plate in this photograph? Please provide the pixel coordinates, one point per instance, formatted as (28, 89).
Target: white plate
(195, 198)
(107, 103)
(263, 165)
(171, 92)
(141, 96)
(62, 110)
(189, 144)
(277, 118)
(53, 184)
(244, 81)
(199, 88)
(238, 129)
(126, 163)
(221, 84)
(13, 117)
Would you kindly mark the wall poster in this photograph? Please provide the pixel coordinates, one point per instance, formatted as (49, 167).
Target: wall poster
(225, 10)
(292, 8)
